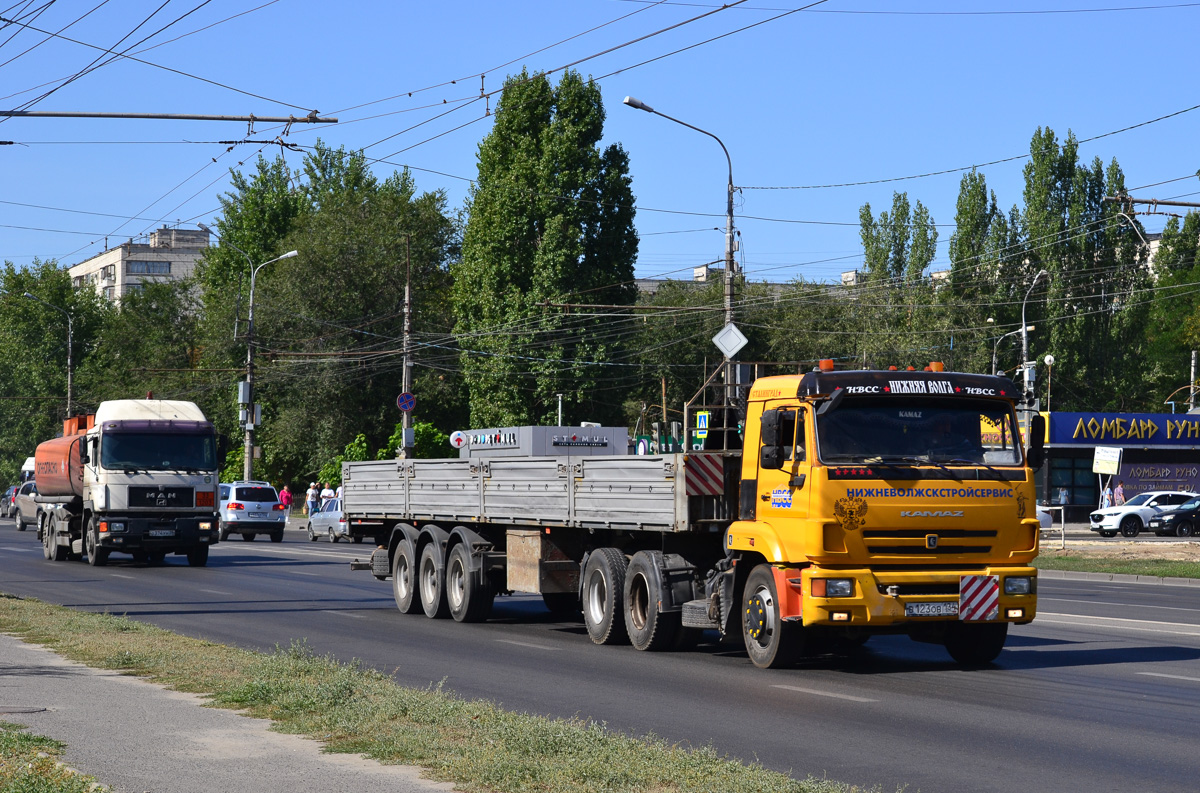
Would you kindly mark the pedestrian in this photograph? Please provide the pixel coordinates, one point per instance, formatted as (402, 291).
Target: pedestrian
(338, 495)
(310, 499)
(285, 498)
(1119, 494)
(326, 494)
(1063, 496)
(1106, 497)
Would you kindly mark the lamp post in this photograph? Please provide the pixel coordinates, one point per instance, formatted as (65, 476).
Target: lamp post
(730, 245)
(1025, 362)
(996, 346)
(70, 339)
(248, 462)
(1049, 359)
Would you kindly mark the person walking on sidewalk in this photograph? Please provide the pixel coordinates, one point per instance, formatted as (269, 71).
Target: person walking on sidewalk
(310, 499)
(285, 498)
(1119, 494)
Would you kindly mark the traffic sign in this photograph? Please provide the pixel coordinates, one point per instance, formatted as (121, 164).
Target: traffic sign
(406, 402)
(729, 340)
(702, 424)
(458, 439)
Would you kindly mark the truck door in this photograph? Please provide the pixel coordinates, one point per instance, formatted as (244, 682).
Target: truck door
(783, 491)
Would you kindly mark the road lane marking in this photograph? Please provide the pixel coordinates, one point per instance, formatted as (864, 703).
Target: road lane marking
(18, 550)
(1173, 677)
(322, 554)
(216, 592)
(1177, 628)
(118, 575)
(304, 572)
(1108, 603)
(344, 614)
(528, 644)
(815, 692)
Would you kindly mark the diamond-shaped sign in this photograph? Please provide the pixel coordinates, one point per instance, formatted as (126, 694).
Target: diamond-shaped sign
(729, 340)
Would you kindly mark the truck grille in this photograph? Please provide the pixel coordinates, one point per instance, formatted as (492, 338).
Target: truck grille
(912, 542)
(159, 497)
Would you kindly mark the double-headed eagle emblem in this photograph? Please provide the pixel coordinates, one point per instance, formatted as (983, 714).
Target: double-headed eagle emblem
(851, 512)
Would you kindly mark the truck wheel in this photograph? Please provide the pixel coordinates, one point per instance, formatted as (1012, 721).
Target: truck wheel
(648, 627)
(604, 596)
(431, 583)
(468, 599)
(50, 547)
(403, 567)
(561, 604)
(1130, 526)
(198, 556)
(975, 645)
(770, 642)
(97, 557)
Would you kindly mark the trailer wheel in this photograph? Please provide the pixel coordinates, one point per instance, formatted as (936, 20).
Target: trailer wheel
(403, 567)
(648, 627)
(604, 596)
(198, 556)
(468, 599)
(97, 557)
(976, 645)
(431, 583)
(770, 642)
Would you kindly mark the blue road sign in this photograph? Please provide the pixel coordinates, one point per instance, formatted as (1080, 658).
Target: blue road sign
(406, 402)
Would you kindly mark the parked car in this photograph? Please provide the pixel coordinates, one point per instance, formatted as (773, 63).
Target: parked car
(329, 522)
(1135, 514)
(1045, 519)
(26, 511)
(1182, 521)
(7, 507)
(250, 509)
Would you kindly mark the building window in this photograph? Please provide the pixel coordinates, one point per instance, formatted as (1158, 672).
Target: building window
(77, 281)
(109, 273)
(134, 287)
(147, 268)
(1073, 477)
(109, 292)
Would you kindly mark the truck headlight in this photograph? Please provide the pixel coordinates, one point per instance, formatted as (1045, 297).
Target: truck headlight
(833, 587)
(1018, 585)
(116, 525)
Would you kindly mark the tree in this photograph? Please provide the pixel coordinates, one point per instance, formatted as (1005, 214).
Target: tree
(898, 245)
(551, 222)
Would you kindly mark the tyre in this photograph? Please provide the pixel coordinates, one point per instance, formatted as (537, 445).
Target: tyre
(431, 584)
(1184, 529)
(97, 557)
(975, 645)
(50, 547)
(604, 596)
(1109, 534)
(648, 627)
(561, 604)
(468, 599)
(332, 537)
(198, 556)
(311, 537)
(20, 522)
(277, 537)
(403, 588)
(248, 537)
(771, 643)
(1131, 525)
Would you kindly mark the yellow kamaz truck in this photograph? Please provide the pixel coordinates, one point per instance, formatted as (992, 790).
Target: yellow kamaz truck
(860, 503)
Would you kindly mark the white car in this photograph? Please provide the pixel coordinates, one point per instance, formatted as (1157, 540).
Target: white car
(1134, 515)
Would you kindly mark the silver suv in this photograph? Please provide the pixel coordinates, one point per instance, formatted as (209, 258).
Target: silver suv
(250, 509)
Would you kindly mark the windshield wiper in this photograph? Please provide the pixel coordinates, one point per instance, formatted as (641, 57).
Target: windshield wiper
(912, 461)
(962, 460)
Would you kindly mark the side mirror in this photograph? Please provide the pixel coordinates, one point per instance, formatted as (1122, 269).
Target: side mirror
(770, 425)
(1036, 454)
(770, 458)
(84, 459)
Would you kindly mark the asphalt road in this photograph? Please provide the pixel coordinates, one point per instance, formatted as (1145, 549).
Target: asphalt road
(1100, 693)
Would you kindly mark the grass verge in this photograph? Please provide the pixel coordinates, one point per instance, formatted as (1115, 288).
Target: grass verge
(29, 764)
(475, 744)
(1165, 568)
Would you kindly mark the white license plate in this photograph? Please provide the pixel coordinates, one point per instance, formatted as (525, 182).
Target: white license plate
(162, 532)
(931, 609)
(259, 515)
(1154, 523)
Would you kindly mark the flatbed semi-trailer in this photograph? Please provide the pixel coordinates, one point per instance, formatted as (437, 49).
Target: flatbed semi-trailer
(863, 503)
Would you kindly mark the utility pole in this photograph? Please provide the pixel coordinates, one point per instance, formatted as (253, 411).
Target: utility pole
(252, 413)
(406, 375)
(1192, 390)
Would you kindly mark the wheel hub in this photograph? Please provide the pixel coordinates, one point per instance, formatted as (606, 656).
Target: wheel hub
(757, 616)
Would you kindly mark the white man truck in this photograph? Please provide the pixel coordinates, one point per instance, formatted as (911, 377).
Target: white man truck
(863, 503)
(138, 477)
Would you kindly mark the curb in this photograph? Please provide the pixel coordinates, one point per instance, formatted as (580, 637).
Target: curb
(1119, 578)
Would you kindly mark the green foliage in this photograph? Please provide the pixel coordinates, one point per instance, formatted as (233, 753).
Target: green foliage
(551, 222)
(898, 245)
(429, 442)
(331, 472)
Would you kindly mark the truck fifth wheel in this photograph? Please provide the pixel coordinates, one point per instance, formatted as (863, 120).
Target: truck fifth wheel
(862, 503)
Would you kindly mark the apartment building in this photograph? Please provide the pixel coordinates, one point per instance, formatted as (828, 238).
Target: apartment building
(170, 255)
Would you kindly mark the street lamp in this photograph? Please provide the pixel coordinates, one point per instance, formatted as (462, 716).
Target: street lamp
(1025, 362)
(70, 339)
(996, 346)
(248, 462)
(1049, 359)
(729, 241)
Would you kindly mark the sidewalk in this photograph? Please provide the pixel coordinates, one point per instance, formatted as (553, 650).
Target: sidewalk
(136, 736)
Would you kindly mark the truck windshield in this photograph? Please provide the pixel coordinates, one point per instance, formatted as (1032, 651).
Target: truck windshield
(899, 430)
(153, 451)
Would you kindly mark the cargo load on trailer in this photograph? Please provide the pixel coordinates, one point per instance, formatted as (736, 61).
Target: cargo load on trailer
(863, 503)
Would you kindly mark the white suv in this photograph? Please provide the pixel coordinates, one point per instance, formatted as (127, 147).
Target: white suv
(250, 509)
(1134, 515)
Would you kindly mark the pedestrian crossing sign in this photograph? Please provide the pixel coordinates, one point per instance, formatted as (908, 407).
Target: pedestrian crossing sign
(702, 424)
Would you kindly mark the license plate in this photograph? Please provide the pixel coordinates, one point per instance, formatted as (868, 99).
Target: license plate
(259, 515)
(162, 532)
(931, 609)
(1154, 523)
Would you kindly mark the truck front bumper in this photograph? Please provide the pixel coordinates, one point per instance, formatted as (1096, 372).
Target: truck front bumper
(157, 534)
(894, 598)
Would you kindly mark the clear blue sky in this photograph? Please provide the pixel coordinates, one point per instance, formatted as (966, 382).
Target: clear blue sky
(848, 91)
